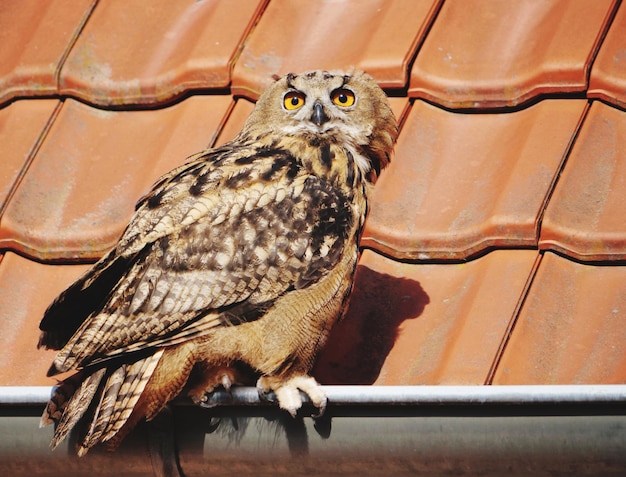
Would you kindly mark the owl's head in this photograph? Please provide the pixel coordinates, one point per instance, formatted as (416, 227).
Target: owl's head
(328, 106)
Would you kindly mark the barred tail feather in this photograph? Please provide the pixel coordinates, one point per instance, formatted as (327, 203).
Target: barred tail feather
(118, 398)
(72, 409)
(103, 400)
(137, 376)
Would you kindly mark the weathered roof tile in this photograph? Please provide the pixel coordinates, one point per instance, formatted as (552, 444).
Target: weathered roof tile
(36, 37)
(461, 184)
(26, 290)
(21, 128)
(377, 36)
(608, 75)
(80, 190)
(426, 323)
(168, 48)
(496, 54)
(585, 218)
(571, 328)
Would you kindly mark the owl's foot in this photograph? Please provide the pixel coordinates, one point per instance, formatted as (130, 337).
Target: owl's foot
(287, 392)
(211, 379)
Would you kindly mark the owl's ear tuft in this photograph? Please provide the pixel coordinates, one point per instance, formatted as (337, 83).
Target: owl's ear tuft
(276, 77)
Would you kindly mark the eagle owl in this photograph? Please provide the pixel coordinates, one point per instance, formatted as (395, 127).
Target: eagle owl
(234, 266)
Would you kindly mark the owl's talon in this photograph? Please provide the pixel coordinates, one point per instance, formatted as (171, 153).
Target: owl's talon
(265, 393)
(287, 392)
(198, 399)
(212, 379)
(321, 409)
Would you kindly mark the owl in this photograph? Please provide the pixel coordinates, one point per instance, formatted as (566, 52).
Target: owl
(232, 270)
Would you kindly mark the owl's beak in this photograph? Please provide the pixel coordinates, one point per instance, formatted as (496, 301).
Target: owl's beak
(319, 115)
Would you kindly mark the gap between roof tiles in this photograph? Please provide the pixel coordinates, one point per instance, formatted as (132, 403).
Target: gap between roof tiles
(570, 329)
(465, 184)
(511, 328)
(72, 42)
(30, 155)
(605, 77)
(153, 76)
(557, 176)
(513, 71)
(585, 216)
(600, 39)
(480, 109)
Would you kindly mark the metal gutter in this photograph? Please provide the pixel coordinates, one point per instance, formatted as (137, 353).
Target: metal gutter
(391, 395)
(367, 430)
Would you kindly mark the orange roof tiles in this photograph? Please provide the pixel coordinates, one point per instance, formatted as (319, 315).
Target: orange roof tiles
(56, 212)
(608, 75)
(495, 251)
(505, 53)
(21, 126)
(463, 183)
(426, 324)
(378, 36)
(26, 290)
(169, 48)
(36, 37)
(571, 328)
(586, 217)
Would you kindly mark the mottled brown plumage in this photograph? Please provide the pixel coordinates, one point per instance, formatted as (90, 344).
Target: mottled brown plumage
(236, 263)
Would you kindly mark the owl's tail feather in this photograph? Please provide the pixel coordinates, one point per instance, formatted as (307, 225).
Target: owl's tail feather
(69, 402)
(104, 400)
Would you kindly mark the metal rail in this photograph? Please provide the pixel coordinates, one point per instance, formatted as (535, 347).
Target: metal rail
(391, 395)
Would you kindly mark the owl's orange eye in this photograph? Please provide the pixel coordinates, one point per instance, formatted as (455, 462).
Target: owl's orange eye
(343, 97)
(293, 100)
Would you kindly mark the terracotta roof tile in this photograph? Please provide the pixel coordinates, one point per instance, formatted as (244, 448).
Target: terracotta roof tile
(21, 126)
(608, 75)
(175, 47)
(377, 36)
(26, 290)
(571, 328)
(461, 184)
(236, 119)
(504, 53)
(80, 191)
(426, 324)
(35, 37)
(585, 216)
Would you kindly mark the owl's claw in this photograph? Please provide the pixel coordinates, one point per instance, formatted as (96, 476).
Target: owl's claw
(217, 377)
(287, 393)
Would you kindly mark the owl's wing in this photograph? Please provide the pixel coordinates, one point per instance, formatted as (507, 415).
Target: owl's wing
(214, 244)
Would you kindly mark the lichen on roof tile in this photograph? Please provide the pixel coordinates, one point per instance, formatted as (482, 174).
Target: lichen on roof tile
(461, 184)
(22, 126)
(133, 53)
(586, 214)
(487, 54)
(377, 36)
(81, 188)
(571, 328)
(35, 37)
